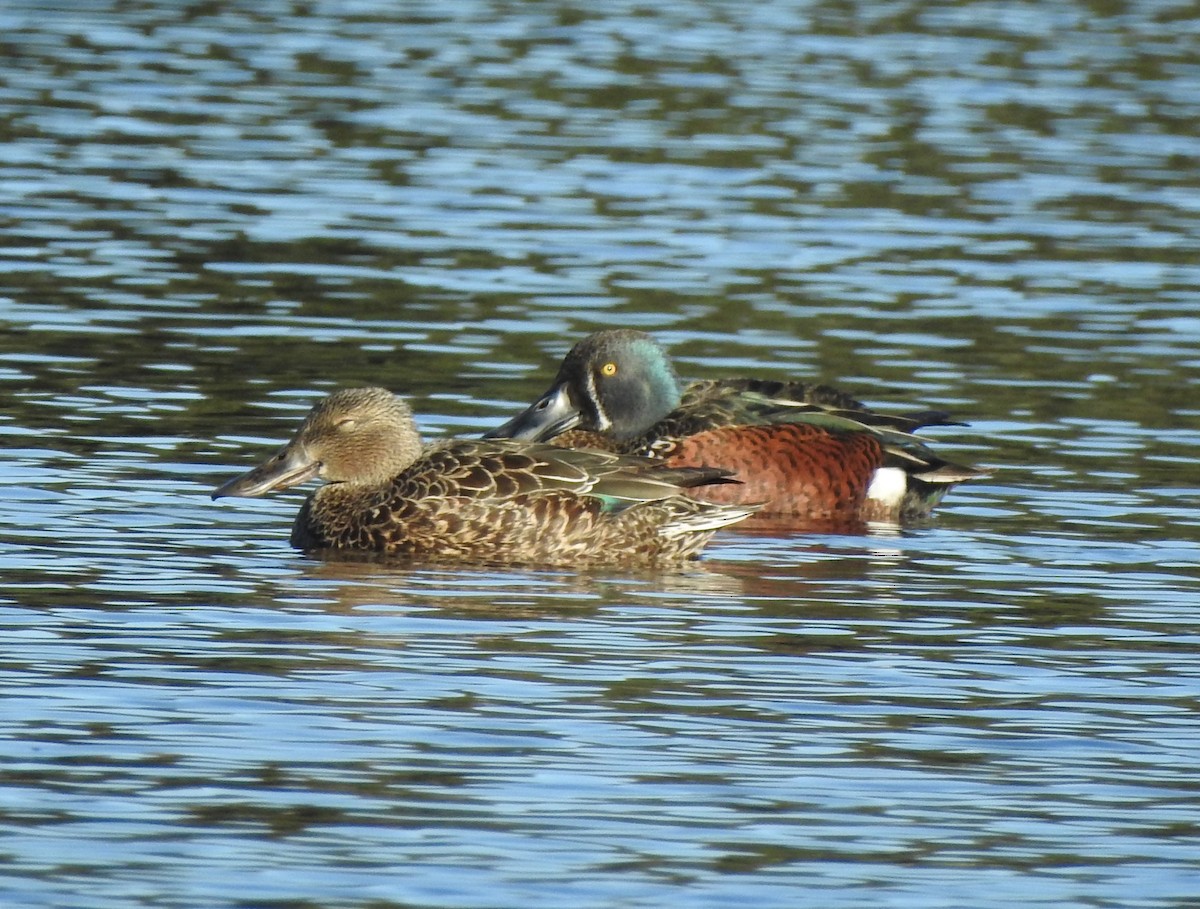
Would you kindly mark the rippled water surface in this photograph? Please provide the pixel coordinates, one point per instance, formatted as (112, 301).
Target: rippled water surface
(214, 213)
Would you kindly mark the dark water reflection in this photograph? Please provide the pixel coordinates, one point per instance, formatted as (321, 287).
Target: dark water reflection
(213, 213)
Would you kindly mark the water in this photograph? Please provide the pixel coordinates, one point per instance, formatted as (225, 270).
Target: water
(213, 214)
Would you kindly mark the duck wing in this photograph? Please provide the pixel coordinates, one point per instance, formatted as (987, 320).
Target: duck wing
(501, 470)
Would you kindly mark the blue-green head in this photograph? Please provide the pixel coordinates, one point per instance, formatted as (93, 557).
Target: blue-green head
(618, 382)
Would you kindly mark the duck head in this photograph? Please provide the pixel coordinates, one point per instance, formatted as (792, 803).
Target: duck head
(356, 435)
(618, 382)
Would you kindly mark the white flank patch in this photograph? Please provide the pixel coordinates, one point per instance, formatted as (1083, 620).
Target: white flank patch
(888, 486)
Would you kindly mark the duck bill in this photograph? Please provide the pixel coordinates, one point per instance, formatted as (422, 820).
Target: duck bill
(290, 466)
(553, 413)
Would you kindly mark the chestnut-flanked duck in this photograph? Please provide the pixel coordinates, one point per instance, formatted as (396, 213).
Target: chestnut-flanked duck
(807, 451)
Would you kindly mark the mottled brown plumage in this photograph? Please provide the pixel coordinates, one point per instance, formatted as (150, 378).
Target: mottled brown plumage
(480, 501)
(808, 451)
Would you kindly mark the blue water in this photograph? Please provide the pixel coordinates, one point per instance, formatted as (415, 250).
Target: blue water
(212, 215)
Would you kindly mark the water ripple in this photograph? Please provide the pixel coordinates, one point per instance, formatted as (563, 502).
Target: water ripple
(214, 215)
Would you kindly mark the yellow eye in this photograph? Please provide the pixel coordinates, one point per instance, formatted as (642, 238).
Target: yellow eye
(608, 369)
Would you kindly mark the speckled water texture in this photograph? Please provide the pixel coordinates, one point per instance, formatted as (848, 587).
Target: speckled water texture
(214, 214)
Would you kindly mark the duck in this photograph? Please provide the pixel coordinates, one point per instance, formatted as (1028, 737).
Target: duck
(810, 452)
(387, 492)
